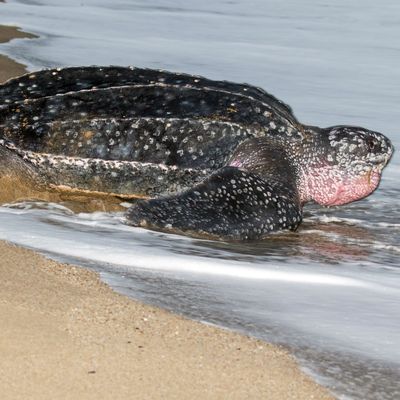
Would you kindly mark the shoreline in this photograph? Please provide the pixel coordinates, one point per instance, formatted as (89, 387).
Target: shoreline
(66, 334)
(8, 67)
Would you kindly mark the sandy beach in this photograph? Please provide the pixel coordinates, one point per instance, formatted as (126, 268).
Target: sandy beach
(66, 335)
(8, 67)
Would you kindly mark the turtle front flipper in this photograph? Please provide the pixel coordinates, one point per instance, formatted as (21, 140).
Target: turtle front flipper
(230, 204)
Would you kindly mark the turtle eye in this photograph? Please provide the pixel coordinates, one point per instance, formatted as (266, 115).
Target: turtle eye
(371, 144)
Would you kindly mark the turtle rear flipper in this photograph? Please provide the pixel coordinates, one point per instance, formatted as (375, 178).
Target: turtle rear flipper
(230, 204)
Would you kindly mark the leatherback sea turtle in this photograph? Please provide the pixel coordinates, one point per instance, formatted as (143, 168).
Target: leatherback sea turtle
(221, 159)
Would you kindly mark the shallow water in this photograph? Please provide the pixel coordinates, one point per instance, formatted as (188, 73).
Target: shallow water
(330, 291)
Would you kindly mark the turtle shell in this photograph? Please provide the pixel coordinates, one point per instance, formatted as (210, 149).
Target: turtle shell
(129, 132)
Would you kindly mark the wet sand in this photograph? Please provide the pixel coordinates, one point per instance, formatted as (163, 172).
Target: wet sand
(9, 68)
(67, 335)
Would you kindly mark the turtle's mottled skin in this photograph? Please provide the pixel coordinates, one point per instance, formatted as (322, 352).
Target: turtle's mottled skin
(217, 158)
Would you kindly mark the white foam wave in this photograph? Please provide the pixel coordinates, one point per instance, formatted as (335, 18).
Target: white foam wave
(382, 246)
(133, 249)
(333, 219)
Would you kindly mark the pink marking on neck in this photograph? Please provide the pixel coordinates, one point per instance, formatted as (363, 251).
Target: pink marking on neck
(330, 186)
(235, 163)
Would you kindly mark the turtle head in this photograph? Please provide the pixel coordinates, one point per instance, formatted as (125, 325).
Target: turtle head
(342, 164)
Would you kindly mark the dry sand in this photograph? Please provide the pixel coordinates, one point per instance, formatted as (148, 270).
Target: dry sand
(66, 335)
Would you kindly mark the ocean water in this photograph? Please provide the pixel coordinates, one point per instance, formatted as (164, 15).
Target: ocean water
(331, 291)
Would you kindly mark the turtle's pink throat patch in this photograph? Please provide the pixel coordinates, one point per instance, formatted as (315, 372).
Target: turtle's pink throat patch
(333, 187)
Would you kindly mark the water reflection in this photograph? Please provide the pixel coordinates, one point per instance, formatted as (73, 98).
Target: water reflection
(323, 237)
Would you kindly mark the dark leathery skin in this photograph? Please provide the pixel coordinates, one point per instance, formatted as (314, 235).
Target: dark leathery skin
(230, 204)
(145, 102)
(48, 83)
